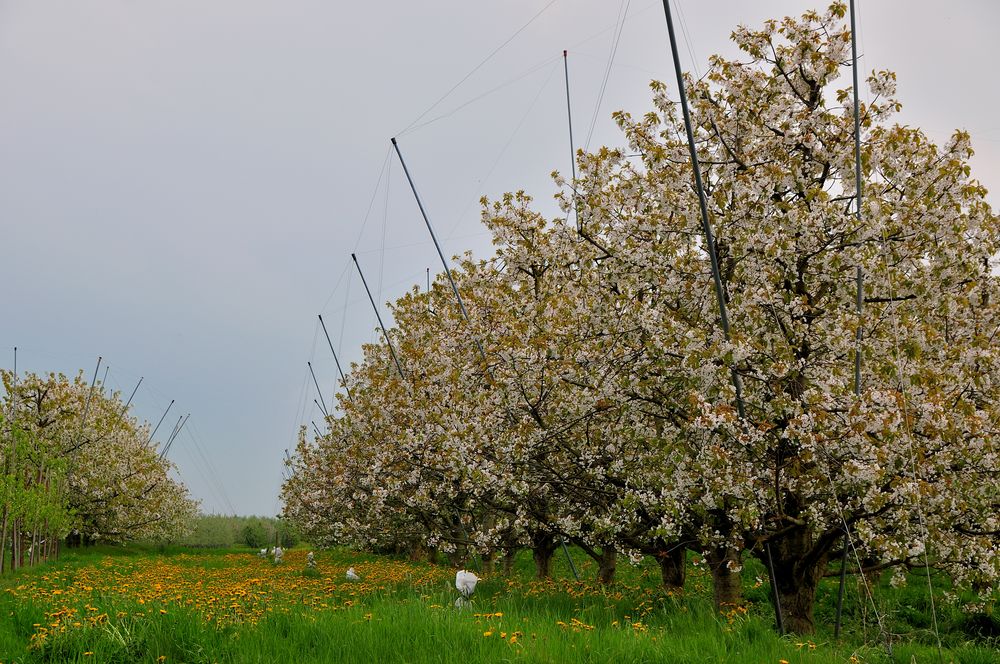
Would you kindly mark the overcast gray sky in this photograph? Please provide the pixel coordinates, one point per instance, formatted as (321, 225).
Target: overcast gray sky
(182, 181)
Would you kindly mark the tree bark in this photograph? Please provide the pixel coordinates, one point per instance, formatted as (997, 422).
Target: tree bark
(797, 573)
(416, 552)
(3, 541)
(15, 545)
(508, 562)
(456, 558)
(488, 561)
(727, 585)
(672, 567)
(606, 565)
(543, 546)
(797, 600)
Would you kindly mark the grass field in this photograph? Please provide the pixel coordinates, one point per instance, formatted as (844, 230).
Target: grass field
(177, 605)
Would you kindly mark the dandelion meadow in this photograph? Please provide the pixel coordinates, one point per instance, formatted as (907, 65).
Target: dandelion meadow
(187, 605)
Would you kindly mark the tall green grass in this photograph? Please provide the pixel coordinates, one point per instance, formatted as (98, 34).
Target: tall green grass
(559, 622)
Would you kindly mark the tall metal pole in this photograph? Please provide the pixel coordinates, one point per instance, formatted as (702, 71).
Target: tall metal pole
(173, 436)
(774, 591)
(13, 397)
(720, 293)
(569, 559)
(130, 397)
(857, 393)
(173, 432)
(385, 332)
(335, 358)
(857, 116)
(159, 423)
(572, 146)
(86, 405)
(444, 261)
(859, 296)
(319, 391)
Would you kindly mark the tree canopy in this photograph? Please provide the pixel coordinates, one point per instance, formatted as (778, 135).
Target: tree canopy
(604, 411)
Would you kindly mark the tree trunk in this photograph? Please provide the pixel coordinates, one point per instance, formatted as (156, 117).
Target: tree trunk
(727, 586)
(508, 562)
(15, 562)
(3, 541)
(607, 563)
(487, 559)
(542, 548)
(672, 568)
(456, 558)
(797, 573)
(797, 602)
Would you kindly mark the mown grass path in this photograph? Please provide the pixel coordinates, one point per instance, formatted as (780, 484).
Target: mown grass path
(125, 605)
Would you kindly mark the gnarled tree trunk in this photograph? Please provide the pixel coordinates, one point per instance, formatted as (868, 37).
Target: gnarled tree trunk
(799, 563)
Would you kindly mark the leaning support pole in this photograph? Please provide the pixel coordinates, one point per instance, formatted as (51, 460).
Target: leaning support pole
(444, 261)
(148, 442)
(130, 397)
(173, 436)
(385, 332)
(173, 432)
(569, 559)
(335, 358)
(720, 293)
(322, 401)
(774, 591)
(572, 147)
(13, 397)
(86, 405)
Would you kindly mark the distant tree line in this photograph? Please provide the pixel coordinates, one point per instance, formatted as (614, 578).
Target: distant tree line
(221, 531)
